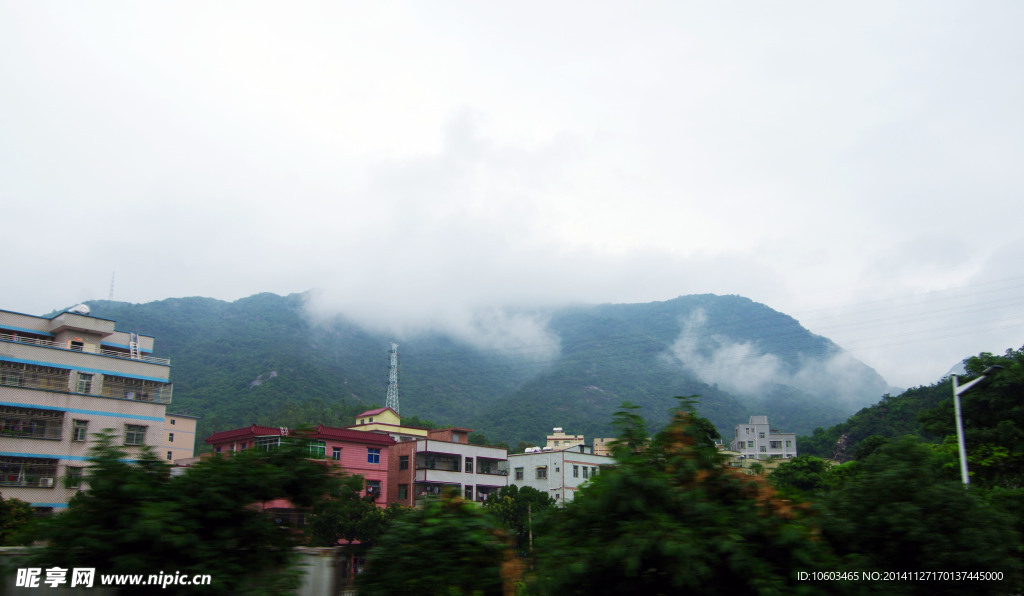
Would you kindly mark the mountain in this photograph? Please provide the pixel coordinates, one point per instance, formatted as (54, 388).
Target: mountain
(264, 359)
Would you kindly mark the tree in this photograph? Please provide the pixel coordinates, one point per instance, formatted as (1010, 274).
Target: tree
(447, 547)
(993, 418)
(900, 509)
(15, 520)
(672, 518)
(136, 518)
(802, 475)
(518, 509)
(348, 516)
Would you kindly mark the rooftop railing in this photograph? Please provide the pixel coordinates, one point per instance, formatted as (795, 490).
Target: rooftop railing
(88, 349)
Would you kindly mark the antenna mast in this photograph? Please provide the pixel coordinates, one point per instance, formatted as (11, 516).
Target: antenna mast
(392, 401)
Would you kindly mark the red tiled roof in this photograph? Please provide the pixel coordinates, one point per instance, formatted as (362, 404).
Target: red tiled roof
(356, 436)
(249, 431)
(320, 432)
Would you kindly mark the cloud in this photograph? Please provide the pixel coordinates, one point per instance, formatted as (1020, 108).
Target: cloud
(745, 369)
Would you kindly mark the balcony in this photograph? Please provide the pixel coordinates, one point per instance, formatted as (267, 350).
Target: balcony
(495, 467)
(30, 423)
(438, 461)
(28, 472)
(88, 349)
(28, 376)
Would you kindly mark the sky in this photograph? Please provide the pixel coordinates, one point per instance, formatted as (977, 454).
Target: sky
(451, 164)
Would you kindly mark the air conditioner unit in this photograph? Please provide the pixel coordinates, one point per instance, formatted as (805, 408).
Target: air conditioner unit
(48, 482)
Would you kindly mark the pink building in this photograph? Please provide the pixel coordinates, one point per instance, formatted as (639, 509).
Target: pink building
(366, 454)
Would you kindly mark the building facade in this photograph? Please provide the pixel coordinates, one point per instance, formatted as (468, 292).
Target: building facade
(423, 468)
(757, 440)
(559, 440)
(179, 438)
(366, 454)
(558, 473)
(62, 380)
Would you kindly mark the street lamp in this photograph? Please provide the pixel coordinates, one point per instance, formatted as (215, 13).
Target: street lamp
(957, 390)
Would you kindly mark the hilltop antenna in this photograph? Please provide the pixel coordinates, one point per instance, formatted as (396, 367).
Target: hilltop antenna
(392, 401)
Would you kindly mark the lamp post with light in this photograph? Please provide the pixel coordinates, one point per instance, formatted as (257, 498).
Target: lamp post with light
(957, 391)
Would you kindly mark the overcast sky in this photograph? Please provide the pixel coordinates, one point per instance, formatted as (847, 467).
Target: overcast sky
(855, 165)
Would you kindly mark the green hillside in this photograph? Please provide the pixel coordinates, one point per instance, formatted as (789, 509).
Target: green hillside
(261, 359)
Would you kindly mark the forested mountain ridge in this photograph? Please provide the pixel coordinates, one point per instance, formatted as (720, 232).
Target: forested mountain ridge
(264, 359)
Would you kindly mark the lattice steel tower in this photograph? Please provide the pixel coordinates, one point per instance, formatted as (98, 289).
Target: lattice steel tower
(392, 401)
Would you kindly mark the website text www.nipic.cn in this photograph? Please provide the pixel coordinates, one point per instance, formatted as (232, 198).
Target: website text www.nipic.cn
(36, 577)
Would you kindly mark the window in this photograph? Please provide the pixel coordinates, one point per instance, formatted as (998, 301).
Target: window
(73, 477)
(172, 421)
(593, 471)
(170, 437)
(750, 444)
(469, 492)
(80, 431)
(469, 465)
(575, 471)
(556, 443)
(317, 449)
(336, 453)
(170, 456)
(267, 443)
(403, 462)
(373, 488)
(134, 434)
(760, 435)
(519, 473)
(584, 472)
(372, 455)
(764, 449)
(542, 472)
(84, 383)
(775, 444)
(403, 491)
(218, 449)
(789, 444)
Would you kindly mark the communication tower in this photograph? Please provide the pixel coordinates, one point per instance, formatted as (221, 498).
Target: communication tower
(392, 401)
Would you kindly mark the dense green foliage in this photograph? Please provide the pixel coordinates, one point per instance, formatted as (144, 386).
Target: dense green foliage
(136, 518)
(263, 359)
(518, 510)
(15, 521)
(993, 420)
(446, 547)
(900, 509)
(672, 519)
(893, 416)
(350, 517)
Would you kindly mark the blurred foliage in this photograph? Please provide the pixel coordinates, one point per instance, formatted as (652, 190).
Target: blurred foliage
(899, 510)
(136, 518)
(16, 519)
(519, 510)
(446, 547)
(671, 518)
(347, 515)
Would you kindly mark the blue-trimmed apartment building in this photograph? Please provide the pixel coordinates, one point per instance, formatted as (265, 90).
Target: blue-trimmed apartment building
(63, 379)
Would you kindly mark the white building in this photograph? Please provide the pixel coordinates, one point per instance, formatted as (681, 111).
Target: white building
(559, 473)
(63, 379)
(757, 440)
